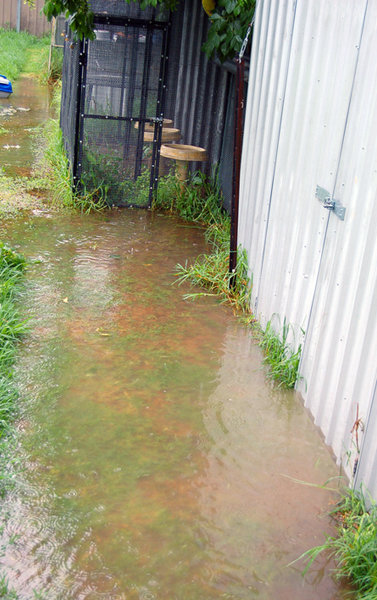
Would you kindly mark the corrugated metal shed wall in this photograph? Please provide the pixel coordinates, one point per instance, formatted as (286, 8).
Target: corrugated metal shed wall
(368, 459)
(311, 120)
(339, 362)
(32, 19)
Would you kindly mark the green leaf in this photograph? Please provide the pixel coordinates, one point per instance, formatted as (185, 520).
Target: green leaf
(229, 20)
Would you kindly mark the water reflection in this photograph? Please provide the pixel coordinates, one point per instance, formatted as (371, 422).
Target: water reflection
(26, 108)
(158, 462)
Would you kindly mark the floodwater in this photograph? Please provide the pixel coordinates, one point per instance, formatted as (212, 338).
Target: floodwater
(158, 462)
(154, 461)
(25, 109)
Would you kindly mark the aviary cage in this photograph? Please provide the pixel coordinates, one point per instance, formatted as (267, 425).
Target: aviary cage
(113, 102)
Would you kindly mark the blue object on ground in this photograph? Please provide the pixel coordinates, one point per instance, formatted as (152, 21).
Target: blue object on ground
(5, 87)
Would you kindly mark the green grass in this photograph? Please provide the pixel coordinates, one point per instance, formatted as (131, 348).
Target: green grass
(38, 62)
(211, 272)
(17, 51)
(283, 360)
(11, 327)
(53, 169)
(200, 201)
(12, 266)
(354, 547)
(6, 593)
(19, 193)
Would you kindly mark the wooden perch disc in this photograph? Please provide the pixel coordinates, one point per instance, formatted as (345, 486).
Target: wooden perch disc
(183, 152)
(166, 124)
(168, 135)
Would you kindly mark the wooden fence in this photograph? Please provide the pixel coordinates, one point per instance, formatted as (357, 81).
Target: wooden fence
(30, 19)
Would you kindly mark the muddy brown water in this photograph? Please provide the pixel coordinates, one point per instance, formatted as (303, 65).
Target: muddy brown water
(26, 108)
(154, 460)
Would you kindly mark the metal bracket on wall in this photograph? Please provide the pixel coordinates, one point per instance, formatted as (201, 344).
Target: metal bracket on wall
(325, 198)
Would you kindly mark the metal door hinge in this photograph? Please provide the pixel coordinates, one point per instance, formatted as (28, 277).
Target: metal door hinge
(325, 198)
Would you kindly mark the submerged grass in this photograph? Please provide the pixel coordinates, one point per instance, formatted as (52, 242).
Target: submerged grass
(5, 591)
(354, 547)
(200, 201)
(19, 193)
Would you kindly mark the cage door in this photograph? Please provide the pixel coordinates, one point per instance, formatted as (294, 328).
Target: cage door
(121, 100)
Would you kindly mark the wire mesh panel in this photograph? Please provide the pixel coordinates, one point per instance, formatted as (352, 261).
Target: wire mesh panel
(70, 96)
(122, 94)
(58, 31)
(120, 81)
(123, 8)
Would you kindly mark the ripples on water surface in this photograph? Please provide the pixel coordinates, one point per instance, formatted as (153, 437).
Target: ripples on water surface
(26, 108)
(158, 461)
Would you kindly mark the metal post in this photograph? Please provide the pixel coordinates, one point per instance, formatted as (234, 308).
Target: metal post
(143, 100)
(159, 114)
(80, 109)
(18, 27)
(238, 126)
(236, 171)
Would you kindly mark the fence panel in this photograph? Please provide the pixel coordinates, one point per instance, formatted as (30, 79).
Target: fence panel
(32, 18)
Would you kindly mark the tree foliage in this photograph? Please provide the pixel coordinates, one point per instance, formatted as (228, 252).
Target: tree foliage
(229, 21)
(78, 11)
(81, 17)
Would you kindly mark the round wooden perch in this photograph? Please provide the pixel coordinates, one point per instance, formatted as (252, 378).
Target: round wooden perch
(166, 124)
(183, 154)
(167, 135)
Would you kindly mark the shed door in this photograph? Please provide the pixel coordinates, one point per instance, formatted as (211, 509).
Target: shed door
(122, 95)
(314, 113)
(313, 95)
(339, 359)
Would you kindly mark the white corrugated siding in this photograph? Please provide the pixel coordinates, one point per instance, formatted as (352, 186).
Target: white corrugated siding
(312, 119)
(368, 459)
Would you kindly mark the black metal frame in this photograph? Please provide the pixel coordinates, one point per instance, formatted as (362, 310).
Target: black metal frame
(81, 116)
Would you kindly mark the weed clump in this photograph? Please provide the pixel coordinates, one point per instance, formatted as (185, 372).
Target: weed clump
(279, 355)
(211, 271)
(200, 201)
(354, 547)
(53, 167)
